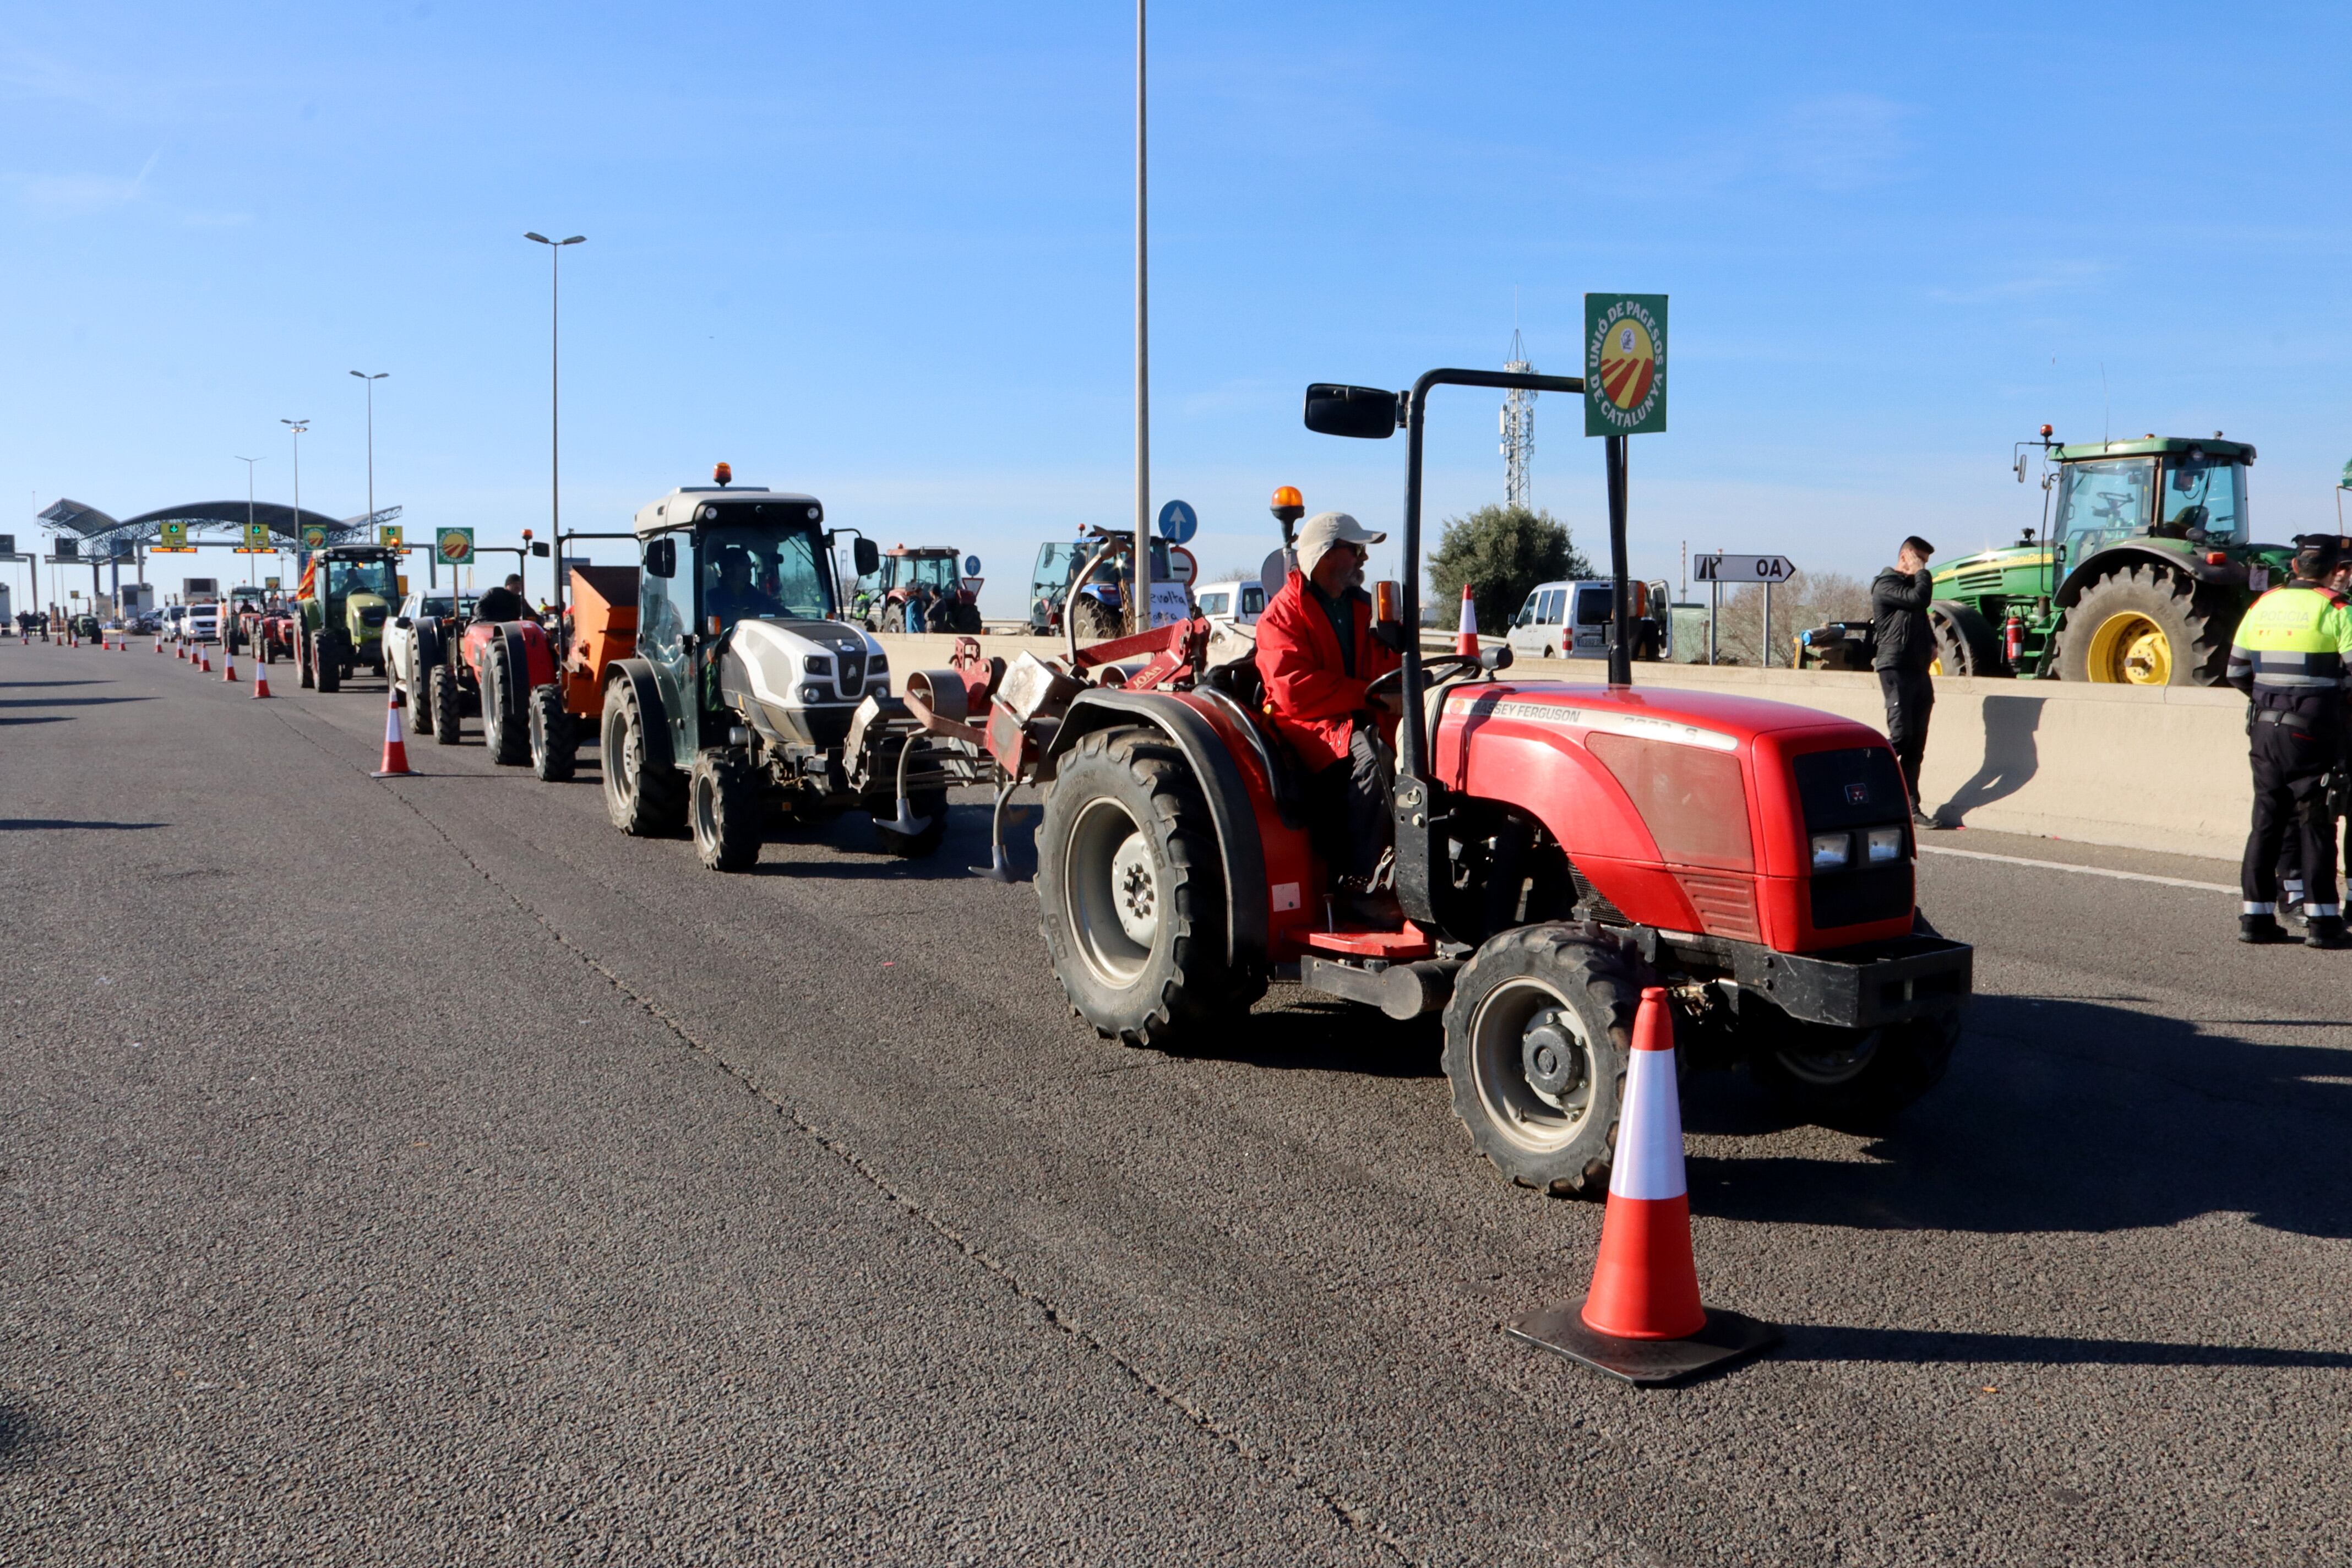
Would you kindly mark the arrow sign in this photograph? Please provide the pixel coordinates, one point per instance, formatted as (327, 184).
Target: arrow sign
(1177, 523)
(1727, 568)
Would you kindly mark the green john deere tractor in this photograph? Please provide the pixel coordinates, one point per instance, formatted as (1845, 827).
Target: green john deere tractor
(2142, 568)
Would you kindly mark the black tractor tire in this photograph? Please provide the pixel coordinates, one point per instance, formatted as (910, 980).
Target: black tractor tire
(329, 657)
(505, 718)
(1849, 1078)
(1096, 621)
(1131, 892)
(643, 800)
(448, 713)
(554, 735)
(419, 703)
(2106, 629)
(305, 669)
(1536, 1040)
(1966, 643)
(931, 808)
(727, 808)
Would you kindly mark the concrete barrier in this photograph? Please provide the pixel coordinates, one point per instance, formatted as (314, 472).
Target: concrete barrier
(2161, 769)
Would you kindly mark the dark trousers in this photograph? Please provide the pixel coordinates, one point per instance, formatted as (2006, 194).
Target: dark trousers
(2292, 823)
(1910, 702)
(1348, 805)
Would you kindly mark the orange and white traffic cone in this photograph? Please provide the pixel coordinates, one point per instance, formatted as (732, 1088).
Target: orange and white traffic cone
(1466, 639)
(1641, 1320)
(228, 665)
(261, 680)
(396, 747)
(180, 651)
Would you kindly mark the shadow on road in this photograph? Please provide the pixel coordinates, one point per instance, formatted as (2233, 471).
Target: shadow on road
(22, 1434)
(1293, 1029)
(91, 683)
(68, 701)
(41, 718)
(42, 824)
(2064, 1115)
(1922, 1346)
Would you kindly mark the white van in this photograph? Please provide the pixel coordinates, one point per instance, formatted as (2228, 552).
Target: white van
(1571, 620)
(203, 622)
(1233, 604)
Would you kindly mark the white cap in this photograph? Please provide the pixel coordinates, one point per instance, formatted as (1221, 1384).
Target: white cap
(1325, 529)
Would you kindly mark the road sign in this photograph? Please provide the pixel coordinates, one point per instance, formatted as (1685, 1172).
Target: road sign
(256, 537)
(1178, 524)
(1624, 364)
(971, 565)
(1182, 567)
(454, 545)
(1727, 568)
(172, 535)
(313, 536)
(388, 535)
(272, 583)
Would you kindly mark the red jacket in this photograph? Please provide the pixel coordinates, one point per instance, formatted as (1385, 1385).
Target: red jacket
(1310, 694)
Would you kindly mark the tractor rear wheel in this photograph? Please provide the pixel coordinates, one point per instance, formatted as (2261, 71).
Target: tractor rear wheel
(448, 713)
(1095, 620)
(967, 619)
(726, 806)
(1845, 1077)
(505, 728)
(1130, 891)
(1966, 643)
(2143, 626)
(303, 667)
(643, 800)
(1537, 1038)
(554, 736)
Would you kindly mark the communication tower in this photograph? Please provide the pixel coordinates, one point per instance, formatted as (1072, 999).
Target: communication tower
(1518, 430)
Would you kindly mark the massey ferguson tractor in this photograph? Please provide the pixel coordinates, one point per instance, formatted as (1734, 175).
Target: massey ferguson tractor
(1558, 847)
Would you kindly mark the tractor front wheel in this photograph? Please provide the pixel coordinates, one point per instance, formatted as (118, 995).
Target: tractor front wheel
(1537, 1038)
(449, 715)
(1966, 643)
(554, 737)
(1845, 1077)
(727, 805)
(1131, 892)
(1096, 621)
(641, 799)
(2143, 626)
(305, 668)
(504, 727)
(330, 660)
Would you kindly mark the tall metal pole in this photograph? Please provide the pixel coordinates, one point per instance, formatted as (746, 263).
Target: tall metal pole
(1142, 556)
(371, 381)
(554, 408)
(248, 463)
(1621, 648)
(295, 428)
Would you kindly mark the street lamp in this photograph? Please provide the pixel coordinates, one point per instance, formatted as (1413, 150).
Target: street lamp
(248, 463)
(297, 428)
(554, 420)
(371, 381)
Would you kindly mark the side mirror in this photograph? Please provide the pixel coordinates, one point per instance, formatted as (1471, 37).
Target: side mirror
(1495, 658)
(866, 555)
(403, 622)
(2021, 467)
(661, 558)
(1365, 413)
(538, 548)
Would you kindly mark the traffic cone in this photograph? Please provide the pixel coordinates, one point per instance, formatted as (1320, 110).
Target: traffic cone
(260, 680)
(1466, 639)
(180, 651)
(395, 748)
(1641, 1320)
(203, 660)
(229, 665)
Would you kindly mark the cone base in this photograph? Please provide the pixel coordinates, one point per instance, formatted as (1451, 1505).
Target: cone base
(1648, 1363)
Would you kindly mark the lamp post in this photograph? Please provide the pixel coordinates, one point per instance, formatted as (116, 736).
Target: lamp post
(371, 381)
(555, 419)
(248, 463)
(297, 428)
(1141, 557)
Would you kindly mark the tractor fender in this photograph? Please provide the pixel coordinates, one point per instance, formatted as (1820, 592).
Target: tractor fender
(1239, 849)
(428, 650)
(639, 674)
(529, 657)
(2140, 552)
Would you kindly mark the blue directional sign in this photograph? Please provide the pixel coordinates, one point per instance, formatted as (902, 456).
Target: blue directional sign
(1177, 524)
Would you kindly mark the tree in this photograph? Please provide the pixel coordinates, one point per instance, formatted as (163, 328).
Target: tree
(1502, 552)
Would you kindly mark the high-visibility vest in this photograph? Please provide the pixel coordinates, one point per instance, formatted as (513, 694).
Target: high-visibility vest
(2295, 641)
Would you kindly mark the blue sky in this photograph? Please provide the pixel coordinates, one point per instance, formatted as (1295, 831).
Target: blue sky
(882, 253)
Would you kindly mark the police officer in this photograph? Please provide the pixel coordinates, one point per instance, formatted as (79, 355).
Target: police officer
(2293, 657)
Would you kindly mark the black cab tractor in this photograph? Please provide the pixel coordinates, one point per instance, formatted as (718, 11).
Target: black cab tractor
(1558, 847)
(745, 701)
(348, 593)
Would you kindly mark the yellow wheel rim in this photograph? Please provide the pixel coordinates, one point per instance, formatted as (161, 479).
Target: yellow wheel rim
(2130, 649)
(1935, 664)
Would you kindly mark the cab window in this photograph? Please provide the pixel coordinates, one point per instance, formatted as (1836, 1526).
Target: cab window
(2204, 492)
(763, 571)
(2103, 502)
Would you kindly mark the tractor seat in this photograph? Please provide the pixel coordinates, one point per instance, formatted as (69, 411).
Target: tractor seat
(1240, 680)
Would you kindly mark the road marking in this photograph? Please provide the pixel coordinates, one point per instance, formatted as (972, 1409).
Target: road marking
(2082, 870)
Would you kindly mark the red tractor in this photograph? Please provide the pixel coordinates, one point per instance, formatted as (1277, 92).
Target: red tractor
(942, 573)
(273, 632)
(491, 668)
(1558, 847)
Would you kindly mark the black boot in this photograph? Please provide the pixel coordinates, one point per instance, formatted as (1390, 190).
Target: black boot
(2327, 930)
(2261, 929)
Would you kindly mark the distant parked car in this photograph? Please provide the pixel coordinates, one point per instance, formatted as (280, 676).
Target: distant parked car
(1233, 604)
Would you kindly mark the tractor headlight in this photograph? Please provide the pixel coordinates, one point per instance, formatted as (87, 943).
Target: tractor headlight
(1832, 851)
(816, 664)
(1885, 844)
(812, 694)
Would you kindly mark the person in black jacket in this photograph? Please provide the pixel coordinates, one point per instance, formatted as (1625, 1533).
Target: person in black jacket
(1905, 647)
(504, 603)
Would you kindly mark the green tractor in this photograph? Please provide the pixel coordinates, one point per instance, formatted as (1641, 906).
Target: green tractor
(351, 594)
(2138, 576)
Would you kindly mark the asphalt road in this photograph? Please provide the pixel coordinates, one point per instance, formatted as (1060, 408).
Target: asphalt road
(421, 1172)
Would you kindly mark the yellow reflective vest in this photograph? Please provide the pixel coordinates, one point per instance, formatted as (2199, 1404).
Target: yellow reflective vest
(2296, 642)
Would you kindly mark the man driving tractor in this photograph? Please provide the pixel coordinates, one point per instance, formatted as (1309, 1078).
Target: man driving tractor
(735, 595)
(504, 603)
(1318, 652)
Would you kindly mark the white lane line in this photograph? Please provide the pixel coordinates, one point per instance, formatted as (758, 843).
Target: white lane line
(2080, 870)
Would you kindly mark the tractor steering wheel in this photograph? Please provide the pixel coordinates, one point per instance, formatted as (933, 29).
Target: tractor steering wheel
(1396, 677)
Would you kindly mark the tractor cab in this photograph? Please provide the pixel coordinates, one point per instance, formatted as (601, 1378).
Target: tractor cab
(938, 570)
(1085, 586)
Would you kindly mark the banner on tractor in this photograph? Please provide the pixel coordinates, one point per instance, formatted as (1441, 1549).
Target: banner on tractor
(454, 545)
(1624, 364)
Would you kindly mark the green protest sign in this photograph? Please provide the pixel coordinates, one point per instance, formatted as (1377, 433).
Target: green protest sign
(1624, 364)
